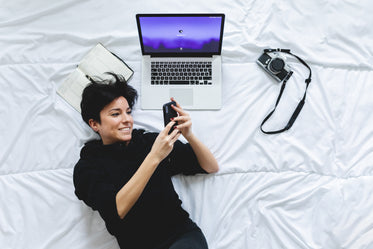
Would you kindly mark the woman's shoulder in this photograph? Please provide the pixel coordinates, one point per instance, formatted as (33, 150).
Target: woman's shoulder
(88, 155)
(141, 135)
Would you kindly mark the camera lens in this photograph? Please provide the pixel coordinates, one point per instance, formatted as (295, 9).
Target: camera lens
(276, 65)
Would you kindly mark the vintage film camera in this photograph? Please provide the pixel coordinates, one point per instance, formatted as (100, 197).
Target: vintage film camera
(275, 65)
(272, 62)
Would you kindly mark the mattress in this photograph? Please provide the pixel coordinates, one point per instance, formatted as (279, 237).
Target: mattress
(308, 187)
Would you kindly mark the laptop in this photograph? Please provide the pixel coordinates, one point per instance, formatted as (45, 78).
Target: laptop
(181, 58)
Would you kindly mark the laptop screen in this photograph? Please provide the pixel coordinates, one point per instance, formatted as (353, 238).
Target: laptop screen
(180, 34)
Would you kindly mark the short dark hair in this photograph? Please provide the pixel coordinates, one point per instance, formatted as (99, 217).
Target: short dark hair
(101, 92)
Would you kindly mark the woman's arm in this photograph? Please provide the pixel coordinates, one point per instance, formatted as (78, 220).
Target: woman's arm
(204, 156)
(131, 191)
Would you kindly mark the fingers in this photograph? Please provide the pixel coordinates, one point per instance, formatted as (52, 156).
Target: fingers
(167, 129)
(171, 139)
(183, 115)
(178, 107)
(173, 99)
(164, 143)
(181, 119)
(175, 134)
(183, 122)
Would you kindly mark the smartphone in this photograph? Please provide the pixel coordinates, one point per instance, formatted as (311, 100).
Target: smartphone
(169, 113)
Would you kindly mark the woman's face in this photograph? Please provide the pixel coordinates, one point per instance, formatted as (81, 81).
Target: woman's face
(116, 122)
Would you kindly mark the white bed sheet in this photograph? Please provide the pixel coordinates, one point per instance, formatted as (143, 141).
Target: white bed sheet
(309, 187)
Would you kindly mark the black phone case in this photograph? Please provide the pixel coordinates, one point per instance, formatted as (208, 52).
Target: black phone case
(169, 113)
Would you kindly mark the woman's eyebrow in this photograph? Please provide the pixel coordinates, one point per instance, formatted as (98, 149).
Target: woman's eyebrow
(114, 109)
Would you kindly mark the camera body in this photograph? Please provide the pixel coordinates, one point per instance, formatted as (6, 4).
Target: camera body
(275, 65)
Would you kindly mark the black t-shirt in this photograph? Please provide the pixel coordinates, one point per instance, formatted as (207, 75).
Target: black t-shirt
(157, 216)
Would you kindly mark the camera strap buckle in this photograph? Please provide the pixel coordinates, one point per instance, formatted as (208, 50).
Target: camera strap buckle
(301, 102)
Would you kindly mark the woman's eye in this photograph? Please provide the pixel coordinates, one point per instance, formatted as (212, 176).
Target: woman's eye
(115, 114)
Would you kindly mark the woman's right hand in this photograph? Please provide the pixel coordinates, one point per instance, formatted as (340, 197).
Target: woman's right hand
(131, 191)
(164, 142)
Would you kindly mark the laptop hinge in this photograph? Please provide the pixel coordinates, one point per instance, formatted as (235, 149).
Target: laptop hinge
(182, 55)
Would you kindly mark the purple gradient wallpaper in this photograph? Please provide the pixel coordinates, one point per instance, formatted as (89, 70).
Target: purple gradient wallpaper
(181, 34)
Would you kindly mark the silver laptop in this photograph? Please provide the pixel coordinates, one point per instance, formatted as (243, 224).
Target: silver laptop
(181, 59)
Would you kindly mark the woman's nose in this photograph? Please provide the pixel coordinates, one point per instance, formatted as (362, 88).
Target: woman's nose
(126, 117)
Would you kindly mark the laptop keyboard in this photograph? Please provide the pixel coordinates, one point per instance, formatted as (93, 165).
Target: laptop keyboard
(181, 73)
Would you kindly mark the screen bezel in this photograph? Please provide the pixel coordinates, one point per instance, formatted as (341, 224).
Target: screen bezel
(181, 54)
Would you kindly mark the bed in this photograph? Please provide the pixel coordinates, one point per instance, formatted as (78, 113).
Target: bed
(308, 187)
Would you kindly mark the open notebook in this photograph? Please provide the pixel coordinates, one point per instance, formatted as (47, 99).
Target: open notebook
(96, 63)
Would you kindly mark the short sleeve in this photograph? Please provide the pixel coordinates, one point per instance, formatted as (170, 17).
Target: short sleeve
(183, 160)
(92, 188)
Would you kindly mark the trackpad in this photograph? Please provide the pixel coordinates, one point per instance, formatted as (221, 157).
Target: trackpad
(184, 96)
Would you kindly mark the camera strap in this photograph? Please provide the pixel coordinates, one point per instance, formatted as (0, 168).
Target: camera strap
(301, 102)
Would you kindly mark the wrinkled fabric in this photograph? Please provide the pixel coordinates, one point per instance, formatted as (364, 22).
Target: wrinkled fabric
(309, 187)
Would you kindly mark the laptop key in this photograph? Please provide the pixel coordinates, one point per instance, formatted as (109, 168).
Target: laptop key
(179, 82)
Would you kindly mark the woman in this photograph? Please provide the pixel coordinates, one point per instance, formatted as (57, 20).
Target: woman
(126, 175)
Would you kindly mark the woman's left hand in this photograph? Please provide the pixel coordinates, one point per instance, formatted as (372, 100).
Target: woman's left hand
(204, 156)
(184, 122)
